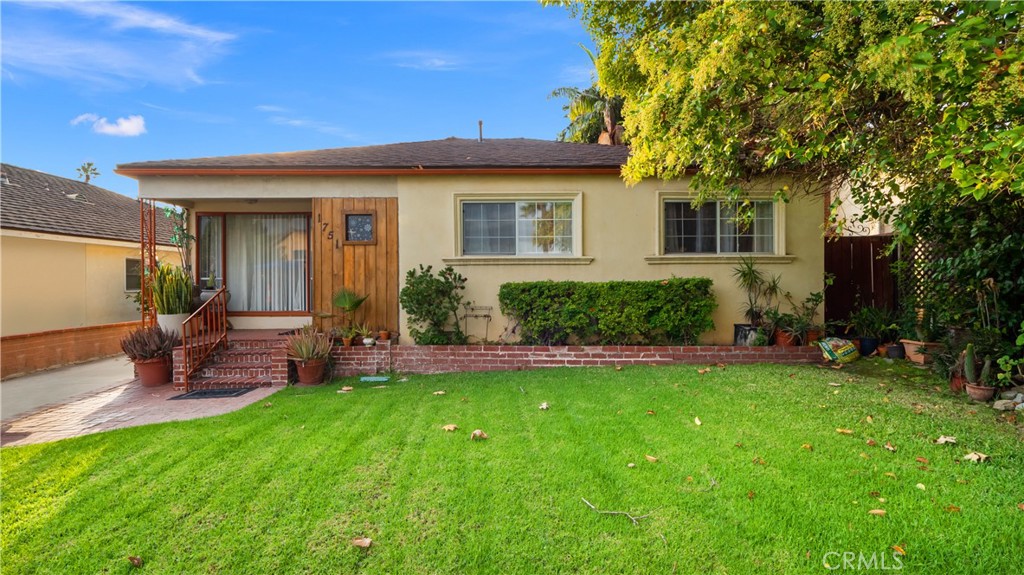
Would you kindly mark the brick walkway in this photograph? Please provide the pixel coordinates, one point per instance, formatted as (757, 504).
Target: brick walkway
(126, 405)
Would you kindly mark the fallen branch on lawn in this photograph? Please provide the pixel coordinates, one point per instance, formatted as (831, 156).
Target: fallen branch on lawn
(634, 519)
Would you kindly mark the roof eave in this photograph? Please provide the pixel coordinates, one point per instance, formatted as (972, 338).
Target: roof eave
(414, 171)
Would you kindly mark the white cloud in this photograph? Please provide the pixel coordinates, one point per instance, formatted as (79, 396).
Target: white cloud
(131, 126)
(108, 45)
(268, 108)
(428, 60)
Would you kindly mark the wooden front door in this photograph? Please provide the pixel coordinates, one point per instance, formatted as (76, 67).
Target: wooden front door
(355, 245)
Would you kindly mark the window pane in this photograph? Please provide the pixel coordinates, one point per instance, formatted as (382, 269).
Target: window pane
(210, 244)
(359, 227)
(132, 274)
(688, 230)
(486, 226)
(267, 256)
(756, 237)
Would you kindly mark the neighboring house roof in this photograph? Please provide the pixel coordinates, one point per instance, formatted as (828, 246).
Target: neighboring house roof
(39, 202)
(448, 156)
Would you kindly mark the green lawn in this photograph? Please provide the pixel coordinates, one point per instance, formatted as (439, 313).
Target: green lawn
(284, 485)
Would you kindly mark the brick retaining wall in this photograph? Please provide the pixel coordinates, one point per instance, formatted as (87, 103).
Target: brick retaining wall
(25, 353)
(447, 359)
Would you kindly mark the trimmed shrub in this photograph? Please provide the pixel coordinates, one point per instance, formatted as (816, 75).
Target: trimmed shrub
(433, 302)
(672, 311)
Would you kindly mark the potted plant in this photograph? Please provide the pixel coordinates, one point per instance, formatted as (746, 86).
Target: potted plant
(365, 332)
(172, 297)
(345, 334)
(310, 349)
(870, 324)
(150, 348)
(788, 328)
(762, 297)
(922, 322)
(978, 386)
(384, 334)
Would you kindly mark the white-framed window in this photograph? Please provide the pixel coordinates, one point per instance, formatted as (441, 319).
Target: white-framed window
(132, 274)
(713, 228)
(504, 225)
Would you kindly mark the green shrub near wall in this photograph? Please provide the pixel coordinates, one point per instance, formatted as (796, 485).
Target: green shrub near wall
(672, 311)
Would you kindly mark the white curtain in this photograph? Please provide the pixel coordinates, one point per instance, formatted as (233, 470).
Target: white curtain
(267, 257)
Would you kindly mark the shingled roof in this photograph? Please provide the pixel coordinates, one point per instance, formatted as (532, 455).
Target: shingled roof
(39, 202)
(448, 155)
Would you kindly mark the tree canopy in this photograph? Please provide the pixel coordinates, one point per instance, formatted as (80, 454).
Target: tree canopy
(917, 106)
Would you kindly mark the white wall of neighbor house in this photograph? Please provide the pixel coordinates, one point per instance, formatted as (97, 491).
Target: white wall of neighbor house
(53, 282)
(618, 233)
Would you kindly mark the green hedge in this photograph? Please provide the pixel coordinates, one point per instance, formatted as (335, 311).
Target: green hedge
(672, 311)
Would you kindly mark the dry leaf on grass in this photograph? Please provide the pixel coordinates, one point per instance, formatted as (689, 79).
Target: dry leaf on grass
(922, 459)
(899, 549)
(976, 457)
(450, 427)
(1020, 506)
(135, 561)
(890, 474)
(545, 406)
(952, 509)
(890, 447)
(631, 465)
(618, 368)
(720, 365)
(704, 370)
(696, 420)
(920, 486)
(758, 461)
(865, 455)
(439, 392)
(879, 512)
(807, 446)
(874, 493)
(872, 442)
(650, 412)
(651, 458)
(945, 439)
(267, 404)
(869, 419)
(363, 542)
(739, 444)
(478, 434)
(844, 431)
(750, 494)
(833, 384)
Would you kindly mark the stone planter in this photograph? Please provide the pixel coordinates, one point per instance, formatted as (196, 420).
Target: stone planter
(743, 334)
(154, 372)
(896, 351)
(172, 322)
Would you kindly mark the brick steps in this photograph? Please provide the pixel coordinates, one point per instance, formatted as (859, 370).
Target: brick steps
(242, 362)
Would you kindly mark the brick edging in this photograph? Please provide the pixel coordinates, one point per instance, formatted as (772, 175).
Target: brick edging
(425, 359)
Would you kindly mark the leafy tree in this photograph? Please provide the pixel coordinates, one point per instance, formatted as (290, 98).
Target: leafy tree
(87, 171)
(917, 106)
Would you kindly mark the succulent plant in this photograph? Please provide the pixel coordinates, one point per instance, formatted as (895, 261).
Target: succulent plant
(149, 343)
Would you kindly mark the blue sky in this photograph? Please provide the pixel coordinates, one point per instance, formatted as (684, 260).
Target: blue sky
(112, 83)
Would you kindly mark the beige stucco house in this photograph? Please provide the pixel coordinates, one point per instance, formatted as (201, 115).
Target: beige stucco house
(497, 210)
(69, 255)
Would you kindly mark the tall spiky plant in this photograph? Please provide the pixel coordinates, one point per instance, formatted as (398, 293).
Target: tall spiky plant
(172, 290)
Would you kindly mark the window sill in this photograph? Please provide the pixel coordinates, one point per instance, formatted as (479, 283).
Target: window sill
(717, 259)
(517, 261)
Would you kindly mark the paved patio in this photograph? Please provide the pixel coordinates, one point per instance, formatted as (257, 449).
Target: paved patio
(123, 405)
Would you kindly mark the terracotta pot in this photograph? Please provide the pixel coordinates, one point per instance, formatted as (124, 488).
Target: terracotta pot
(813, 335)
(980, 392)
(911, 348)
(346, 341)
(783, 339)
(384, 335)
(311, 372)
(956, 383)
(154, 372)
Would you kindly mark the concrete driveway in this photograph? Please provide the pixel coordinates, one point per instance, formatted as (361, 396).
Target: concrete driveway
(97, 396)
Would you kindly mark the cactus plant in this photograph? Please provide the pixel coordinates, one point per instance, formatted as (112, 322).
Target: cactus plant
(970, 365)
